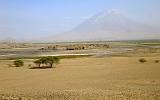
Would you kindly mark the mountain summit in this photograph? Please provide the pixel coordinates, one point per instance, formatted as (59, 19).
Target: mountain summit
(109, 25)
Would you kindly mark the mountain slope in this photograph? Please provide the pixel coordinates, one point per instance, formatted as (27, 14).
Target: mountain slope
(109, 25)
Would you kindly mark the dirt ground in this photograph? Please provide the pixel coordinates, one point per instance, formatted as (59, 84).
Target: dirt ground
(83, 79)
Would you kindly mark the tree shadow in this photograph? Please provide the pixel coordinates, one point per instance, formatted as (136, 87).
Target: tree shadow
(43, 67)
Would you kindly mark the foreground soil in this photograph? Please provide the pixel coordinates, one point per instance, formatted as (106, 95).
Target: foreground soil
(83, 79)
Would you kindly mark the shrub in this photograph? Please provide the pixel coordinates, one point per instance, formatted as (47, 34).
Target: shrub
(142, 60)
(156, 61)
(18, 63)
(29, 65)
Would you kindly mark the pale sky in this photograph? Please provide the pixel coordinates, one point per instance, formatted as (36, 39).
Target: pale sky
(26, 19)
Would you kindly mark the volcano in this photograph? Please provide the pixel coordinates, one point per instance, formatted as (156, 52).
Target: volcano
(109, 25)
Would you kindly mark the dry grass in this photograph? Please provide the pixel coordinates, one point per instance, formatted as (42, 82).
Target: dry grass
(84, 79)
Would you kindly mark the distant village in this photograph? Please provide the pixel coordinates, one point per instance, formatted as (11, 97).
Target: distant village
(75, 47)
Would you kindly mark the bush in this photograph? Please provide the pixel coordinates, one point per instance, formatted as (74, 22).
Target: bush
(18, 63)
(156, 61)
(142, 60)
(29, 65)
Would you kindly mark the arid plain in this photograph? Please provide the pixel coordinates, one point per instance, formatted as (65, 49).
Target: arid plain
(97, 77)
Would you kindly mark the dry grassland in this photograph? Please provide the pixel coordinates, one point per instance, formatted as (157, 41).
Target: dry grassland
(122, 78)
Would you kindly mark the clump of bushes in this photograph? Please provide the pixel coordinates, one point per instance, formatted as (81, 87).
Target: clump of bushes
(18, 63)
(156, 61)
(142, 60)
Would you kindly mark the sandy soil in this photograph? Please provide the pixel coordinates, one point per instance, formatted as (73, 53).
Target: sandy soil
(83, 79)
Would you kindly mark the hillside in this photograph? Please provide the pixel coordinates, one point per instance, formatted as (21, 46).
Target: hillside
(109, 25)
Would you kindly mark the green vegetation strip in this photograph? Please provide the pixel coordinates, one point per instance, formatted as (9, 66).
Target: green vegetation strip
(151, 44)
(61, 57)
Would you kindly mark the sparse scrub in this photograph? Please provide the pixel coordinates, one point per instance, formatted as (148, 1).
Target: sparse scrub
(18, 63)
(142, 60)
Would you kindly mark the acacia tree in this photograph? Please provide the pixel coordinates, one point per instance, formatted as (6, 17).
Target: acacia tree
(38, 62)
(47, 60)
(51, 60)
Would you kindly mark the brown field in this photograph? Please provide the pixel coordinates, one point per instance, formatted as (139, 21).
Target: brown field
(89, 78)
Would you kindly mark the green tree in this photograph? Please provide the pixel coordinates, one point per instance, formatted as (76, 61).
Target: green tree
(44, 60)
(51, 60)
(38, 62)
(47, 60)
(18, 63)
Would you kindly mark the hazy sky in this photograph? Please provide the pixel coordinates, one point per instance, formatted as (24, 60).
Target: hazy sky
(37, 18)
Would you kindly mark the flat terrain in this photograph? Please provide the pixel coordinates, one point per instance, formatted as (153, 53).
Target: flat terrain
(89, 78)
